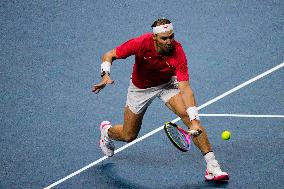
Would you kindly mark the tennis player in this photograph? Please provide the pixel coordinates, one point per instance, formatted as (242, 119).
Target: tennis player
(160, 70)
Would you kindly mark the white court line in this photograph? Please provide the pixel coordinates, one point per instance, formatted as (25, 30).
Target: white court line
(175, 120)
(241, 115)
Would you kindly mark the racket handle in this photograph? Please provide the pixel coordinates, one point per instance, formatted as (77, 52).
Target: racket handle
(195, 132)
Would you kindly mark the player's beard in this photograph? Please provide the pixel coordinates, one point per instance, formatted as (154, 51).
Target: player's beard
(166, 49)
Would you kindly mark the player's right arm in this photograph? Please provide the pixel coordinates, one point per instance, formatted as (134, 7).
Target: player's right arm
(108, 57)
(130, 47)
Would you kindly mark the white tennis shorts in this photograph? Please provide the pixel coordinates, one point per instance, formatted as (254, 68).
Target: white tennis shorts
(139, 99)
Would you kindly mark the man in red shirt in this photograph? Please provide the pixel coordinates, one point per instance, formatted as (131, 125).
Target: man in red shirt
(160, 70)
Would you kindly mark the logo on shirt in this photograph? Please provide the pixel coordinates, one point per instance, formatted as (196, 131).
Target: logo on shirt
(168, 64)
(145, 58)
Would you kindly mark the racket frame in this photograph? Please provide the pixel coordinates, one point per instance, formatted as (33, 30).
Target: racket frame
(185, 134)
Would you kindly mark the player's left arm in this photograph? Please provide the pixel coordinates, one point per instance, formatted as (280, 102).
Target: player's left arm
(189, 101)
(186, 91)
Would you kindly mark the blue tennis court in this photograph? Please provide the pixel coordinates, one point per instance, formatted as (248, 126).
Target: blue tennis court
(50, 57)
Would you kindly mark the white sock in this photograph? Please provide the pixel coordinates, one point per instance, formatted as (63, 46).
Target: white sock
(105, 132)
(209, 157)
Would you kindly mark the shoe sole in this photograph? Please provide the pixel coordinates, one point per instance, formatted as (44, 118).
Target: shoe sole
(218, 178)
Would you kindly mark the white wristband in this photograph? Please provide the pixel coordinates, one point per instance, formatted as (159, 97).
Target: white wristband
(192, 113)
(105, 66)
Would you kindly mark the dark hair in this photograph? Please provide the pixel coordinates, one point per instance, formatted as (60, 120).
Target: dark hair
(161, 21)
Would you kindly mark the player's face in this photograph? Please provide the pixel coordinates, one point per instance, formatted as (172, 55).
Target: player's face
(164, 42)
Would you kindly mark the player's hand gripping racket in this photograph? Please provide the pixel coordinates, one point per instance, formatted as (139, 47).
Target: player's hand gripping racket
(179, 137)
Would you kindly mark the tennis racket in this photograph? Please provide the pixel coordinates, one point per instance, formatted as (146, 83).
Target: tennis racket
(179, 137)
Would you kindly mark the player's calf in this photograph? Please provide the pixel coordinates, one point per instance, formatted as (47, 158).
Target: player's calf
(129, 137)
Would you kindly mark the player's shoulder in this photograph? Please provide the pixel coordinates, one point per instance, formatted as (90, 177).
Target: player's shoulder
(178, 47)
(144, 37)
(177, 44)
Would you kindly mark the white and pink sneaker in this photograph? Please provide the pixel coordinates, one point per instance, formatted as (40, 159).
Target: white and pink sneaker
(106, 144)
(214, 173)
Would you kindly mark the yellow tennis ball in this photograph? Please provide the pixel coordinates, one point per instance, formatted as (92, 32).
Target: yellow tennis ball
(226, 135)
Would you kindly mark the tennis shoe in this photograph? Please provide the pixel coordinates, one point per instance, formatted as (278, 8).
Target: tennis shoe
(214, 172)
(106, 144)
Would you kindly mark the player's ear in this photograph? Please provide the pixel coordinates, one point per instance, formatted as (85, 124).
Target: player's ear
(154, 36)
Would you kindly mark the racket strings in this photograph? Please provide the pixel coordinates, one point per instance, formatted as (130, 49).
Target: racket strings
(178, 137)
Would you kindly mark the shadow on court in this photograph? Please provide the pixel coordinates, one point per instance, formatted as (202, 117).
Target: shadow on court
(204, 184)
(110, 178)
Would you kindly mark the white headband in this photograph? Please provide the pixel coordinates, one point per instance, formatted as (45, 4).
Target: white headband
(163, 28)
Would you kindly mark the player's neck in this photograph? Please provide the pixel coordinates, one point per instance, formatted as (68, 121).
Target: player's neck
(159, 50)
